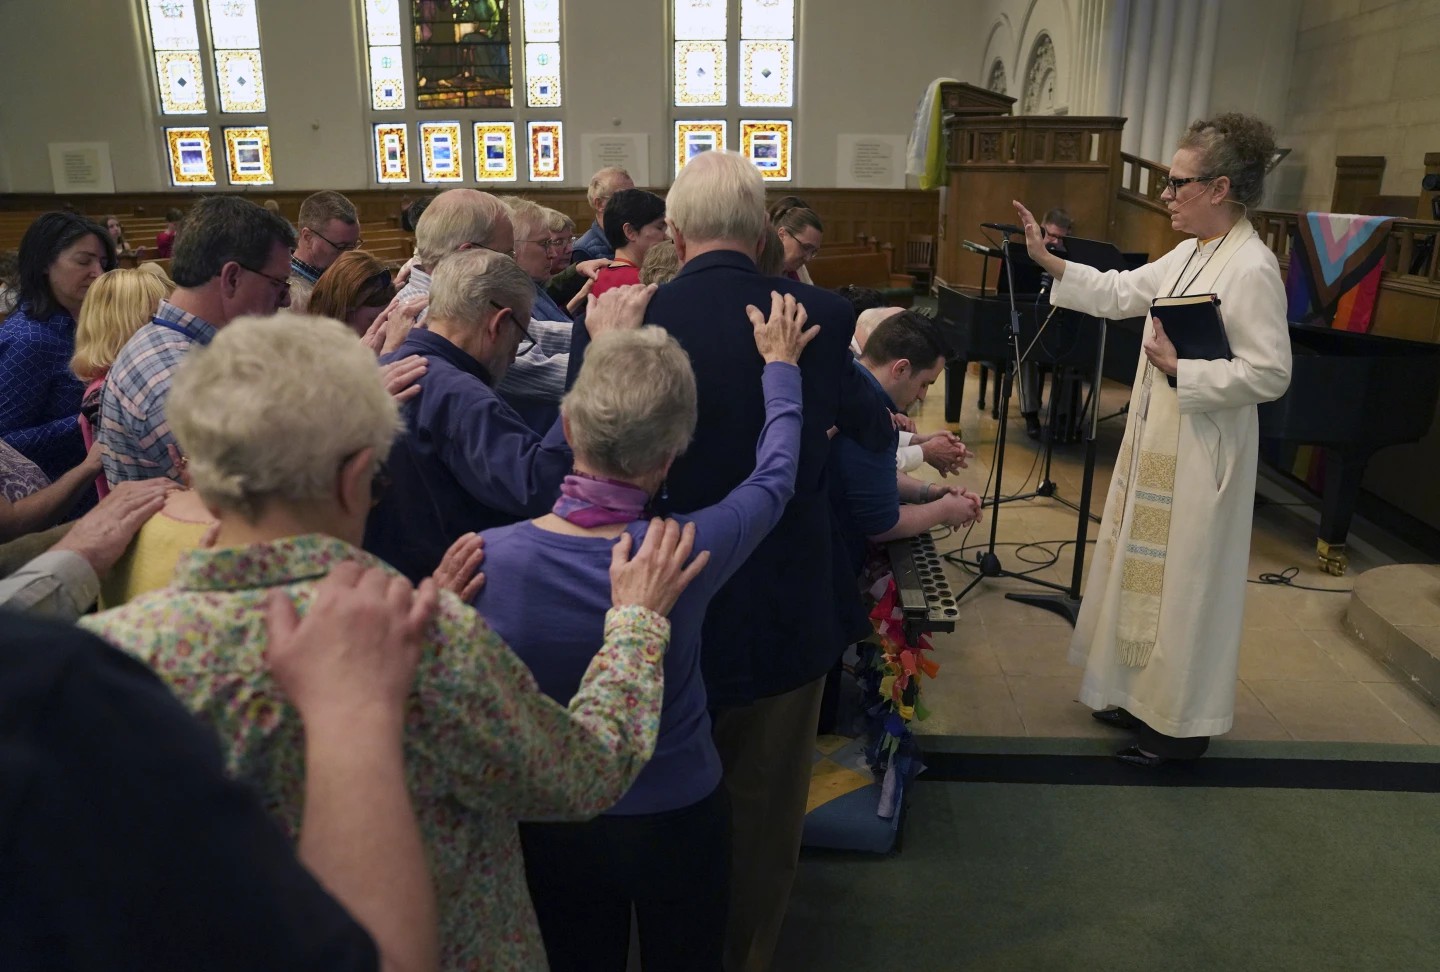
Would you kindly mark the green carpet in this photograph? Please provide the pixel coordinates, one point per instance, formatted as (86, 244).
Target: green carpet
(1001, 876)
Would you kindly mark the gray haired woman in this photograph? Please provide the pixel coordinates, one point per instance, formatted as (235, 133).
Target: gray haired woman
(286, 426)
(664, 849)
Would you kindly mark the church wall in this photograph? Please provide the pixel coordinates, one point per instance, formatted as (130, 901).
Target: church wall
(84, 75)
(1364, 83)
(1254, 59)
(75, 77)
(1014, 27)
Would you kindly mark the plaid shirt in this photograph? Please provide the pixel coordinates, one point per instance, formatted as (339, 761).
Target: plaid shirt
(133, 431)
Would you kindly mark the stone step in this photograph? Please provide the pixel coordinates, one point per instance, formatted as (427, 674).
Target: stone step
(1394, 611)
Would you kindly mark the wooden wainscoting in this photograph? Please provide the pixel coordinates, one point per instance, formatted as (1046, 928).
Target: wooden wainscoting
(889, 215)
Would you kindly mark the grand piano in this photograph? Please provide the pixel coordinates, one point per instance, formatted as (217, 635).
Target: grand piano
(1350, 395)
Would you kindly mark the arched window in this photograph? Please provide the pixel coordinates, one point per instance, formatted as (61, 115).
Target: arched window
(459, 60)
(229, 38)
(761, 33)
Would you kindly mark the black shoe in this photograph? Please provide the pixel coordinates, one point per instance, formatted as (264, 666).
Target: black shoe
(1133, 756)
(1116, 719)
(1032, 424)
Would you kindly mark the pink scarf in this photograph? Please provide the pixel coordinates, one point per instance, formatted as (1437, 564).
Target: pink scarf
(589, 501)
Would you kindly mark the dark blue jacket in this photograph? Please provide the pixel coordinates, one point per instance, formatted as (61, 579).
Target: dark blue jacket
(593, 245)
(774, 626)
(464, 462)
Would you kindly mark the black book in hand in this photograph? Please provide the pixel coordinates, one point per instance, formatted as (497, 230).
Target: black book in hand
(1194, 325)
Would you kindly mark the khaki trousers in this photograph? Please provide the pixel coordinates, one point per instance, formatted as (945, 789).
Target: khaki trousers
(767, 749)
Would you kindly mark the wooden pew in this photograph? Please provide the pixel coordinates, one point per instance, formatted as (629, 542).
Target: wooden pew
(863, 270)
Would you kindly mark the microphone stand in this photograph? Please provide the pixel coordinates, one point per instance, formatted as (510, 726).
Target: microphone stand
(1047, 487)
(988, 561)
(1067, 604)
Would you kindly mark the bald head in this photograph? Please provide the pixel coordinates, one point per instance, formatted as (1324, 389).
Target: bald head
(605, 184)
(870, 319)
(462, 216)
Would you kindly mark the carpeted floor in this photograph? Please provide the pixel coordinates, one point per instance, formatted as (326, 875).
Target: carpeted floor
(1095, 874)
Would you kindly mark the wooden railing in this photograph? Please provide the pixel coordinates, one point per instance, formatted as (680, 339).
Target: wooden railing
(1411, 256)
(1142, 181)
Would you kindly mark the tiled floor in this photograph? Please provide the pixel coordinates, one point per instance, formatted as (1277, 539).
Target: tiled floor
(1004, 670)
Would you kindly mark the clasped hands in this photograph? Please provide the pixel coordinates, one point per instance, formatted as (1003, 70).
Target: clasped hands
(942, 450)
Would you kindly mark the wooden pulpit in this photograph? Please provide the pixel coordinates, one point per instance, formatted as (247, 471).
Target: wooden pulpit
(1042, 160)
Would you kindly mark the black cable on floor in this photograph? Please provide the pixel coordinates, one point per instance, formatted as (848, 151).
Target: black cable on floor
(1286, 578)
(957, 556)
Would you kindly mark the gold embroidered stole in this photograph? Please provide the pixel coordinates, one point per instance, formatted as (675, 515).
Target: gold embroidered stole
(1144, 482)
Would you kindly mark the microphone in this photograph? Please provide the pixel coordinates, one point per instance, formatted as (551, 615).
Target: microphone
(1004, 228)
(984, 251)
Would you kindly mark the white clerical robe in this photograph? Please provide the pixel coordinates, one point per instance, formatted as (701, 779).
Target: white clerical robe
(1187, 687)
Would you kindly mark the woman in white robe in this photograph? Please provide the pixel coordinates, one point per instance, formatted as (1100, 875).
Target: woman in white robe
(1159, 628)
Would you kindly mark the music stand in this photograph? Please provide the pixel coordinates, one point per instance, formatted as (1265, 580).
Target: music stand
(1101, 256)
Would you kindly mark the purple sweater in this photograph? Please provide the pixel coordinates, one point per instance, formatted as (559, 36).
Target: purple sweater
(546, 594)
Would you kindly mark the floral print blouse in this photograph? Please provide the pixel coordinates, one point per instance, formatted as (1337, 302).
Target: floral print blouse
(484, 746)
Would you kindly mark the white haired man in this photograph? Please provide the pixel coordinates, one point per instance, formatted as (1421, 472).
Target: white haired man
(603, 184)
(466, 219)
(466, 460)
(773, 631)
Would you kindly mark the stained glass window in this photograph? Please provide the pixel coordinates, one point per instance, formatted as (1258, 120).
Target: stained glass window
(700, 19)
(495, 151)
(440, 152)
(382, 22)
(235, 36)
(172, 26)
(766, 73)
(182, 84)
(247, 151)
(191, 163)
(699, 73)
(392, 153)
(242, 85)
(767, 18)
(694, 137)
(542, 75)
(547, 156)
(462, 53)
(767, 144)
(234, 41)
(175, 39)
(387, 64)
(232, 25)
(542, 53)
(762, 43)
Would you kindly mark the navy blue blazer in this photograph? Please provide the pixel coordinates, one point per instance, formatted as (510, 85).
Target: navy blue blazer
(774, 626)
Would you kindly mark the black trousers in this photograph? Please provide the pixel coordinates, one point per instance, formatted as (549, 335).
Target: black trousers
(672, 867)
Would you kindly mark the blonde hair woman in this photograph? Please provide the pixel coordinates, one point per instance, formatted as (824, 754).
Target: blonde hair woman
(287, 425)
(116, 306)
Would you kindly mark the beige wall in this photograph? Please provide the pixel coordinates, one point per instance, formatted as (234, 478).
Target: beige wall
(1254, 58)
(1361, 82)
(1364, 83)
(862, 70)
